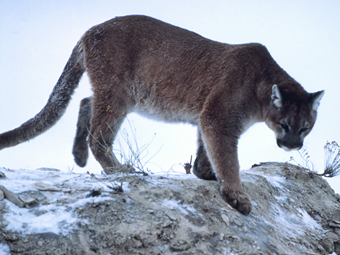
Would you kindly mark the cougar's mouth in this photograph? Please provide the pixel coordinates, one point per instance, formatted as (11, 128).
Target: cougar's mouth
(289, 147)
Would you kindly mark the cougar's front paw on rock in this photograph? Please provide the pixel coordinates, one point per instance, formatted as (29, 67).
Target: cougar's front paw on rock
(238, 200)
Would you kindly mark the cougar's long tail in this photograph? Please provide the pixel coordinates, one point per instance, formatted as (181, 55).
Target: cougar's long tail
(56, 104)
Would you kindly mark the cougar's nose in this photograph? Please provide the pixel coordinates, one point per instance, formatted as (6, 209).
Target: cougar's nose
(289, 146)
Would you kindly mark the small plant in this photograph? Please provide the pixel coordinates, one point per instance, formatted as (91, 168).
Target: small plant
(171, 169)
(70, 169)
(332, 159)
(306, 158)
(306, 162)
(188, 166)
(136, 156)
(116, 188)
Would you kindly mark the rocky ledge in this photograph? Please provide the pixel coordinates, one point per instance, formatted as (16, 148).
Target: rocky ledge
(294, 212)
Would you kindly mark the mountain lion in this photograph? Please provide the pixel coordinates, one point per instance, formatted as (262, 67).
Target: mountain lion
(137, 63)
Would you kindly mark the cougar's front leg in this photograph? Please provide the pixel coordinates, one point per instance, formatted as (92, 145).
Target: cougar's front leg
(220, 136)
(202, 166)
(80, 149)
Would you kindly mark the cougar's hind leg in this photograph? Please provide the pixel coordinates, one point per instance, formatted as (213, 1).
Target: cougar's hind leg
(108, 113)
(101, 139)
(80, 149)
(202, 167)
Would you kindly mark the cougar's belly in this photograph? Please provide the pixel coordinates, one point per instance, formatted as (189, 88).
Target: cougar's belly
(168, 113)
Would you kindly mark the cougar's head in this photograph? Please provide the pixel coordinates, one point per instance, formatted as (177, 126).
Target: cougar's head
(291, 115)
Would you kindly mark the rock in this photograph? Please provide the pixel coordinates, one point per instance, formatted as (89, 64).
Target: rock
(180, 245)
(337, 248)
(44, 186)
(334, 224)
(32, 198)
(171, 216)
(225, 218)
(332, 236)
(329, 242)
(328, 245)
(27, 200)
(11, 196)
(48, 169)
(294, 212)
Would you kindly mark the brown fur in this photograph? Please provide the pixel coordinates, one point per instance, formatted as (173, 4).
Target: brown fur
(137, 63)
(80, 148)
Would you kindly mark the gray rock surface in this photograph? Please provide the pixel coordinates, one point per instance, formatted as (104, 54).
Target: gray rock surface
(294, 212)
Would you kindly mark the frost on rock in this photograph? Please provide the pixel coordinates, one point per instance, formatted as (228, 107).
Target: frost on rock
(294, 212)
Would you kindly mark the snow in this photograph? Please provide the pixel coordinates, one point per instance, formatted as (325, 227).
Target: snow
(22, 220)
(4, 249)
(58, 217)
(276, 181)
(172, 204)
(286, 217)
(61, 218)
(293, 220)
(308, 220)
(295, 224)
(178, 175)
(48, 217)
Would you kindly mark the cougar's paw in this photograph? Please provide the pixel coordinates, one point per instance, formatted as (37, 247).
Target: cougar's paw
(80, 157)
(205, 173)
(238, 200)
(202, 167)
(80, 151)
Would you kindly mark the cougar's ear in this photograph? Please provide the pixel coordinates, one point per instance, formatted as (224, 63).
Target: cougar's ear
(315, 99)
(276, 96)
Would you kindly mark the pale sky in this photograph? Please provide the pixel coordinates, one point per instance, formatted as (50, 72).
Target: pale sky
(37, 37)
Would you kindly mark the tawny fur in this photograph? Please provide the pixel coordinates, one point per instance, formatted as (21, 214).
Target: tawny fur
(136, 63)
(80, 149)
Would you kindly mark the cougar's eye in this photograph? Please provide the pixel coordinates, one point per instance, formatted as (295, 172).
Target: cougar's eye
(284, 127)
(303, 130)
